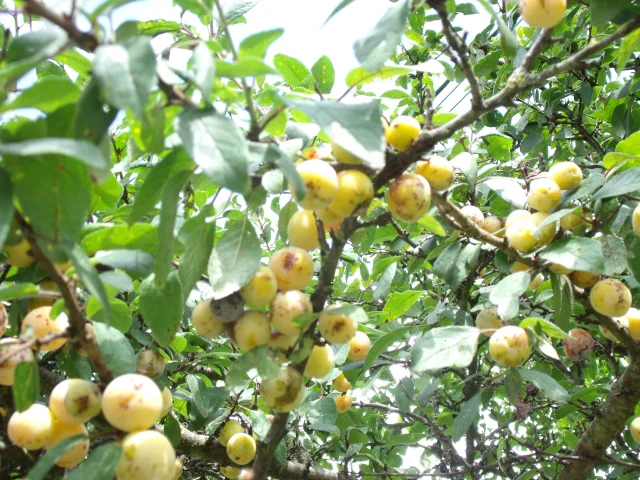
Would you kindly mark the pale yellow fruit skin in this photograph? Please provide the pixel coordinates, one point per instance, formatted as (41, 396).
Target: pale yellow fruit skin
(148, 454)
(521, 267)
(635, 220)
(18, 255)
(230, 472)
(355, 193)
(633, 323)
(230, 428)
(520, 235)
(473, 213)
(178, 466)
(4, 320)
(548, 232)
(150, 363)
(571, 221)
(359, 347)
(543, 13)
(579, 345)
(292, 267)
(343, 155)
(409, 197)
(132, 402)
(251, 330)
(402, 132)
(488, 319)
(610, 297)
(43, 325)
(205, 323)
(19, 354)
(75, 401)
(635, 429)
(329, 217)
(584, 279)
(567, 175)
(343, 402)
(31, 429)
(302, 230)
(43, 301)
(285, 307)
(320, 362)
(261, 289)
(337, 328)
(341, 384)
(623, 322)
(494, 225)
(536, 282)
(510, 346)
(437, 171)
(515, 216)
(241, 448)
(559, 269)
(284, 392)
(62, 431)
(321, 182)
(167, 402)
(281, 341)
(544, 195)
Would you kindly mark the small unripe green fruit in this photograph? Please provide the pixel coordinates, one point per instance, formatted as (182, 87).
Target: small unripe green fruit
(302, 230)
(488, 319)
(343, 402)
(567, 175)
(409, 197)
(610, 297)
(359, 347)
(354, 195)
(285, 307)
(321, 183)
(75, 401)
(635, 429)
(510, 346)
(341, 384)
(132, 402)
(338, 328)
(261, 289)
(474, 214)
(544, 195)
(205, 322)
(494, 225)
(241, 448)
(320, 362)
(252, 330)
(230, 428)
(42, 324)
(520, 235)
(548, 232)
(292, 267)
(150, 363)
(62, 431)
(438, 171)
(283, 392)
(147, 452)
(543, 13)
(31, 429)
(579, 345)
(402, 132)
(15, 353)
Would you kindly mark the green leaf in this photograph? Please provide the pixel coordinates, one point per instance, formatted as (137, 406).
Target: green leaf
(6, 206)
(106, 195)
(233, 9)
(161, 306)
(217, 146)
(361, 76)
(512, 384)
(99, 465)
(198, 234)
(506, 293)
(621, 184)
(590, 185)
(506, 188)
(404, 393)
(203, 69)
(235, 259)
(206, 399)
(136, 237)
(445, 347)
(92, 121)
(126, 73)
(576, 253)
(121, 317)
(468, 414)
(381, 345)
(629, 44)
(258, 358)
(115, 348)
(242, 68)
(398, 305)
(39, 95)
(603, 11)
(256, 45)
(323, 411)
(615, 255)
(375, 47)
(544, 382)
(106, 7)
(507, 37)
(562, 300)
(202, 8)
(271, 154)
(456, 262)
(547, 327)
(614, 158)
(27, 390)
(286, 213)
(157, 27)
(136, 263)
(48, 460)
(19, 290)
(467, 164)
(90, 279)
(324, 75)
(341, 5)
(553, 218)
(172, 430)
(431, 224)
(292, 70)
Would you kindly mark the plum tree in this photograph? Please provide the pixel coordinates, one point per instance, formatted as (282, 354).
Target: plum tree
(241, 448)
(252, 330)
(150, 363)
(494, 225)
(438, 171)
(31, 429)
(261, 288)
(283, 392)
(474, 214)
(544, 195)
(61, 431)
(344, 402)
(75, 401)
(567, 175)
(402, 132)
(584, 279)
(543, 13)
(520, 235)
(147, 452)
(132, 402)
(12, 352)
(339, 328)
(510, 346)
(578, 345)
(19, 255)
(610, 297)
(354, 195)
(409, 197)
(341, 384)
(321, 183)
(489, 319)
(167, 402)
(284, 309)
(292, 267)
(320, 362)
(228, 430)
(40, 321)
(302, 231)
(359, 347)
(205, 322)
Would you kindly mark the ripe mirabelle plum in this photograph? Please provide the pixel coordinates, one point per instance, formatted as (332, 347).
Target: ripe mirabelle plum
(147, 453)
(283, 392)
(205, 322)
(338, 328)
(521, 267)
(579, 345)
(75, 401)
(635, 429)
(633, 322)
(359, 347)
(544, 195)
(438, 171)
(343, 402)
(320, 362)
(36, 302)
(536, 282)
(635, 220)
(285, 307)
(281, 341)
(178, 466)
(343, 155)
(230, 472)
(559, 269)
(515, 216)
(132, 402)
(321, 182)
(329, 217)
(354, 194)
(15, 353)
(494, 225)
(19, 255)
(302, 230)
(584, 279)
(409, 197)
(520, 235)
(31, 429)
(241, 448)
(252, 330)
(230, 428)
(488, 319)
(62, 431)
(167, 402)
(402, 132)
(473, 213)
(610, 297)
(510, 346)
(542, 13)
(567, 175)
(548, 232)
(150, 363)
(42, 324)
(4, 320)
(341, 384)
(623, 322)
(261, 289)
(571, 221)
(292, 267)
